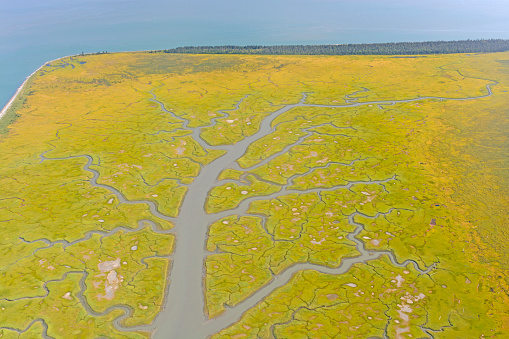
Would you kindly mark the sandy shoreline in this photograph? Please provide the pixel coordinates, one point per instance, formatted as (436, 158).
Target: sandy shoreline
(9, 104)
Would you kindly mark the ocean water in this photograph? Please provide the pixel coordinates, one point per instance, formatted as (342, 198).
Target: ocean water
(34, 31)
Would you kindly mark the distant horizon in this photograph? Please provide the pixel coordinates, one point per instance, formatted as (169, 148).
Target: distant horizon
(31, 32)
(4, 107)
(330, 44)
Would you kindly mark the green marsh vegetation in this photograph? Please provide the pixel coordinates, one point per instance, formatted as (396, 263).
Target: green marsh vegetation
(425, 179)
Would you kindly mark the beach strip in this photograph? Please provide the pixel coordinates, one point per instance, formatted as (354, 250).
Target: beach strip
(20, 88)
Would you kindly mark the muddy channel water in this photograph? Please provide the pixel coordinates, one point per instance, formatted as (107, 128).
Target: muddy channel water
(183, 314)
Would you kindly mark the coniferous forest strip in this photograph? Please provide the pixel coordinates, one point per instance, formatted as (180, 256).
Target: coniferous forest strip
(393, 48)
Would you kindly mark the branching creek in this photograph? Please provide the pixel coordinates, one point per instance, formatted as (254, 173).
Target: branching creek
(183, 314)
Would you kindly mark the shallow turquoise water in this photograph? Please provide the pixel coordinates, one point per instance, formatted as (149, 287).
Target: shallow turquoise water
(34, 31)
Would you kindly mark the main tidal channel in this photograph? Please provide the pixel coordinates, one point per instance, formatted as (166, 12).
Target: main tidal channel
(183, 314)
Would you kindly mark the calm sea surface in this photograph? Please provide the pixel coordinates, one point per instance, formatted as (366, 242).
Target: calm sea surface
(35, 31)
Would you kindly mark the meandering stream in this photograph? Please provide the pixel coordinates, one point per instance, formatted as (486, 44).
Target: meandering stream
(183, 313)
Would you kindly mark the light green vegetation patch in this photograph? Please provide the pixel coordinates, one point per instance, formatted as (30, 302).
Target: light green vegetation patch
(229, 195)
(368, 301)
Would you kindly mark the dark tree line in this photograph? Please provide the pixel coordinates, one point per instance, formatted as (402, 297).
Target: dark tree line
(393, 48)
